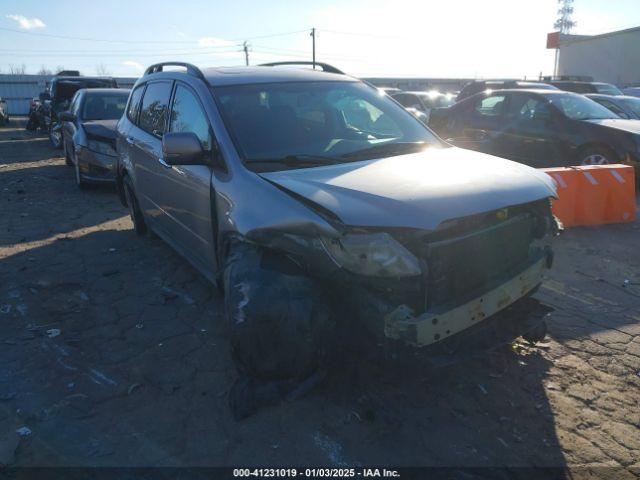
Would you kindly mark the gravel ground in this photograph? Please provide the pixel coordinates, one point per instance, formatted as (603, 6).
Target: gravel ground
(113, 353)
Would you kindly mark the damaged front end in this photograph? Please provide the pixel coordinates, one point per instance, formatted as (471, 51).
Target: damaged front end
(421, 287)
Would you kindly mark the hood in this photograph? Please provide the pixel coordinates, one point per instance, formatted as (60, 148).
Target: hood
(632, 126)
(419, 190)
(101, 128)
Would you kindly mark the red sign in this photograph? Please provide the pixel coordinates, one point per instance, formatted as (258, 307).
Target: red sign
(553, 40)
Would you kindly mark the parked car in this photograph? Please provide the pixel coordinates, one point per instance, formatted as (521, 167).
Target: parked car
(622, 105)
(424, 101)
(89, 133)
(420, 115)
(632, 91)
(478, 86)
(587, 87)
(540, 128)
(4, 113)
(58, 96)
(313, 199)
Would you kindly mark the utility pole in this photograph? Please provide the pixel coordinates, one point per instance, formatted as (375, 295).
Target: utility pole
(313, 43)
(245, 47)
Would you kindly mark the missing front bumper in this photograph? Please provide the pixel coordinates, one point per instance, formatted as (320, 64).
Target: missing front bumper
(433, 327)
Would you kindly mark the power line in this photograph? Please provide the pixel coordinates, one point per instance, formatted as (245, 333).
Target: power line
(358, 34)
(107, 54)
(104, 40)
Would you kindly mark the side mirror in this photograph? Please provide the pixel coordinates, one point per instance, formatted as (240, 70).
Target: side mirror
(183, 148)
(66, 117)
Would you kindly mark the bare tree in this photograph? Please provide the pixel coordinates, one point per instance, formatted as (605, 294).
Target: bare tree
(102, 70)
(564, 22)
(59, 68)
(44, 71)
(17, 69)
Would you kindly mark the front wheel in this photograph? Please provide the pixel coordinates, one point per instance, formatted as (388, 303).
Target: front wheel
(597, 156)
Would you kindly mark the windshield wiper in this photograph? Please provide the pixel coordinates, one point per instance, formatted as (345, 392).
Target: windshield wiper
(396, 148)
(298, 159)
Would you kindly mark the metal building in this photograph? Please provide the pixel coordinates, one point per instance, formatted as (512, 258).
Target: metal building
(17, 90)
(611, 57)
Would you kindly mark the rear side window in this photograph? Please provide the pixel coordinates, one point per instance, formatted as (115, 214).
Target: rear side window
(187, 116)
(155, 108)
(134, 103)
(490, 106)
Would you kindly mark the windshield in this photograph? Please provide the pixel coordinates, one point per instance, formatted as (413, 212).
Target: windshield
(338, 121)
(632, 104)
(104, 106)
(578, 107)
(608, 89)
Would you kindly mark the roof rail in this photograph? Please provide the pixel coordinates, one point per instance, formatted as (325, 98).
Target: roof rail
(191, 69)
(325, 66)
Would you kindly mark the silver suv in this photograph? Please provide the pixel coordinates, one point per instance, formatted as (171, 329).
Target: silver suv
(316, 201)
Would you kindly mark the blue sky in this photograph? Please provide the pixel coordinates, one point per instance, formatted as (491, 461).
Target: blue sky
(470, 38)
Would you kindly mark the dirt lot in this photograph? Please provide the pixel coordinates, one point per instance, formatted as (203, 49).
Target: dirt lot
(139, 372)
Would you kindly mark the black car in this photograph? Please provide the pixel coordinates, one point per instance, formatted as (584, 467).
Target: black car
(478, 86)
(540, 128)
(89, 133)
(622, 105)
(57, 98)
(587, 87)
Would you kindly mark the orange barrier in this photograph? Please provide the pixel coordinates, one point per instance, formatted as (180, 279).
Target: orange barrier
(594, 195)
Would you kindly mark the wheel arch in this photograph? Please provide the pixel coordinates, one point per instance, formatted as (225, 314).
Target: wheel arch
(596, 144)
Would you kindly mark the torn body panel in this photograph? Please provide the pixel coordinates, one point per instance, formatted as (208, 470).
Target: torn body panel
(447, 280)
(433, 326)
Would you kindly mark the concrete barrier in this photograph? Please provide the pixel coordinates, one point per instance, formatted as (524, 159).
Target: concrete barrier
(594, 195)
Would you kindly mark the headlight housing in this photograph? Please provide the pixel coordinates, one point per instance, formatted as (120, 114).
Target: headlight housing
(101, 147)
(373, 254)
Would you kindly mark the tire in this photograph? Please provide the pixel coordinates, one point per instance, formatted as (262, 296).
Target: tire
(596, 156)
(281, 326)
(139, 225)
(55, 137)
(536, 335)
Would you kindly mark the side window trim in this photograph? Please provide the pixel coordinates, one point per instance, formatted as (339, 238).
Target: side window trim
(202, 109)
(169, 103)
(134, 120)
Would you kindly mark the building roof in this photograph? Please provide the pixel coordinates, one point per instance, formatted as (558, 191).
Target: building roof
(566, 39)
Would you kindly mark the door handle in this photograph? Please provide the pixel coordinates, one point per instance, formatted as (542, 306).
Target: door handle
(162, 162)
(129, 140)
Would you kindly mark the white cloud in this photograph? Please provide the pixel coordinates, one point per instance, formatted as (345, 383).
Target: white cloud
(214, 42)
(27, 23)
(135, 65)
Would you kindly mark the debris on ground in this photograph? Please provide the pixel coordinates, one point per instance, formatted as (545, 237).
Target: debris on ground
(23, 431)
(53, 332)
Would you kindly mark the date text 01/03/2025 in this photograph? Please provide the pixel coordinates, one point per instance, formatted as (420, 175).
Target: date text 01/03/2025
(315, 472)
